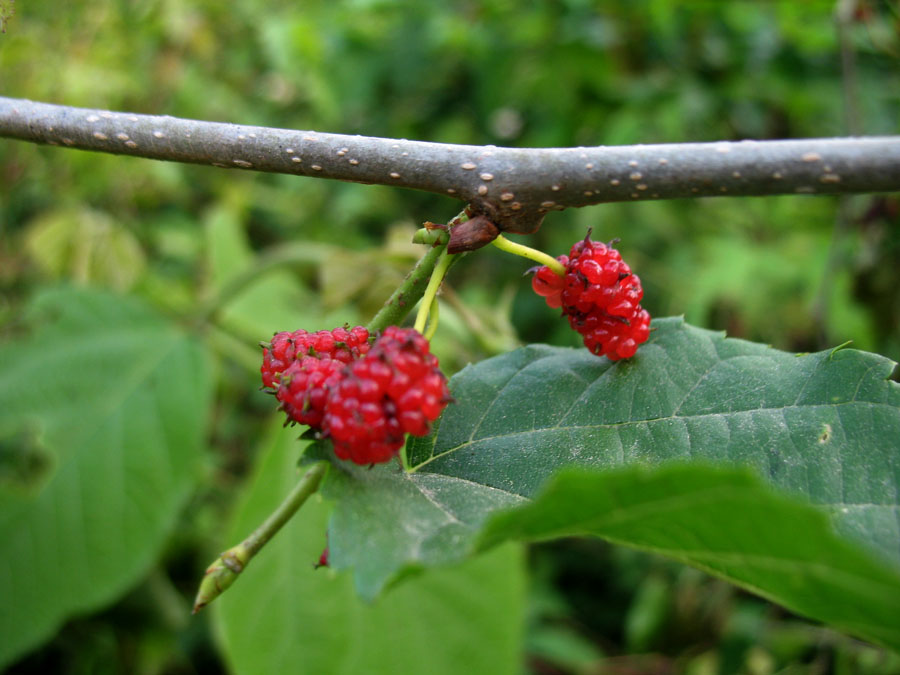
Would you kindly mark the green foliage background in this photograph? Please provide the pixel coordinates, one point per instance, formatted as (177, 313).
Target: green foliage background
(801, 273)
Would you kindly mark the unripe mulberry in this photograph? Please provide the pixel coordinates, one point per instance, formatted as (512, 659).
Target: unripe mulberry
(364, 398)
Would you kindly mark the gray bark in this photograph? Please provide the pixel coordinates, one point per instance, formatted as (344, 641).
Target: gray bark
(514, 187)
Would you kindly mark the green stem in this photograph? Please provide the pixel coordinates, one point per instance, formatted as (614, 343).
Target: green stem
(433, 316)
(434, 283)
(411, 290)
(505, 244)
(306, 253)
(225, 569)
(407, 294)
(431, 236)
(234, 347)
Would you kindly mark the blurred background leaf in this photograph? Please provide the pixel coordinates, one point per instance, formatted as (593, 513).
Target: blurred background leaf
(119, 407)
(86, 247)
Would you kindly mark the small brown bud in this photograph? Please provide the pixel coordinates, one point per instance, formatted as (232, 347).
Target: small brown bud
(472, 235)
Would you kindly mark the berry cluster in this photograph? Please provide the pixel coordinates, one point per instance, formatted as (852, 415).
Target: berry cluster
(340, 344)
(396, 390)
(600, 296)
(364, 397)
(302, 366)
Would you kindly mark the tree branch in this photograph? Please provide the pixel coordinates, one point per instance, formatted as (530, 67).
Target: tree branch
(514, 187)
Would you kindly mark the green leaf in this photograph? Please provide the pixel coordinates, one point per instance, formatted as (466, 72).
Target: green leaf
(104, 404)
(284, 616)
(726, 522)
(823, 427)
(86, 246)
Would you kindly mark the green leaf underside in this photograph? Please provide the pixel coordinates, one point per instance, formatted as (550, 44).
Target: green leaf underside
(283, 616)
(823, 427)
(117, 398)
(726, 522)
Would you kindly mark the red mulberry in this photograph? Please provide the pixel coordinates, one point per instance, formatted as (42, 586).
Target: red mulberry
(601, 298)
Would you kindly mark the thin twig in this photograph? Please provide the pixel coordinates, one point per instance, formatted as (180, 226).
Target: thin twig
(429, 296)
(225, 569)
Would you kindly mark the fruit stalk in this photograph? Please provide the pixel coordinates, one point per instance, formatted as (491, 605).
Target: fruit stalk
(430, 296)
(505, 244)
